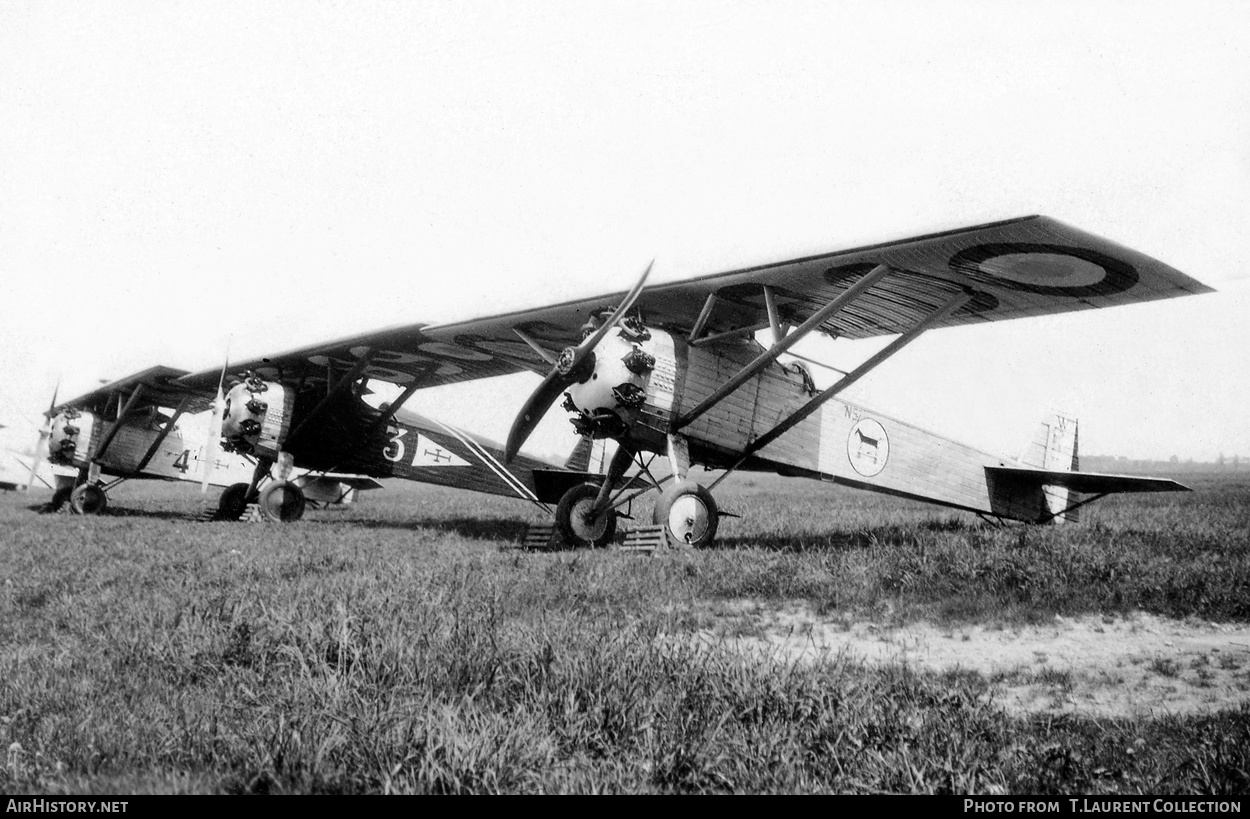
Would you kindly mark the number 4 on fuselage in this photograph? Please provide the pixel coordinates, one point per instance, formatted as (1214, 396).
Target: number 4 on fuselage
(135, 428)
(675, 371)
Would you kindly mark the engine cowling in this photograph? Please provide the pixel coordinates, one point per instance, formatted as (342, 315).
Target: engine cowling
(70, 438)
(257, 417)
(609, 400)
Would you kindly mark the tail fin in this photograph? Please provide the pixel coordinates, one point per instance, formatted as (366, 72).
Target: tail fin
(1054, 446)
(579, 460)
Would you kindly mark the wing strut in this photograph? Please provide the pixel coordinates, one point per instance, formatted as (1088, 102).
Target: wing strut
(160, 439)
(543, 352)
(737, 332)
(395, 405)
(770, 355)
(951, 305)
(701, 321)
(117, 425)
(348, 377)
(774, 318)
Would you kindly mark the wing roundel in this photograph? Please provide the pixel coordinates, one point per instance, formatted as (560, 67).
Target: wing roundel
(1031, 266)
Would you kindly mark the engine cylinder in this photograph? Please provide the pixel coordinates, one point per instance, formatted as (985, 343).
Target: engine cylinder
(257, 417)
(70, 440)
(608, 401)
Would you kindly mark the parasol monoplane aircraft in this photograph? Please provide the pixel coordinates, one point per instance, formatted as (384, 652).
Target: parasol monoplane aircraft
(130, 429)
(675, 371)
(137, 428)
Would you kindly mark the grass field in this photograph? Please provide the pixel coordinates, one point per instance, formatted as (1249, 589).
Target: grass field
(398, 645)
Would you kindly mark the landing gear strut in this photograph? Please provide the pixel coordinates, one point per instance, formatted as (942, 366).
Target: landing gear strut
(688, 513)
(586, 514)
(280, 501)
(577, 520)
(686, 510)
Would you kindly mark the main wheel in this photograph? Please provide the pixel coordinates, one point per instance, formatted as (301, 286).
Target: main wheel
(282, 501)
(688, 513)
(88, 499)
(59, 497)
(233, 502)
(574, 521)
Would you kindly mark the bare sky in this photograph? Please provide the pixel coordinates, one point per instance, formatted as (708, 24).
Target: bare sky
(174, 175)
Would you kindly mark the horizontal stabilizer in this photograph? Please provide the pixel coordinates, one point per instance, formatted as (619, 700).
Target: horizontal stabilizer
(1089, 483)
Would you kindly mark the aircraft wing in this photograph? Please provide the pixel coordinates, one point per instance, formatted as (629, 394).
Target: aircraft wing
(159, 388)
(1087, 483)
(1030, 266)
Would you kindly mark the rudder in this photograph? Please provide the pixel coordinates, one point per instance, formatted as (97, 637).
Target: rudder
(1054, 445)
(583, 458)
(579, 458)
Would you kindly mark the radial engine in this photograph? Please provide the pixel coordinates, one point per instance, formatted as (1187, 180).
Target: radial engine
(69, 441)
(612, 387)
(257, 417)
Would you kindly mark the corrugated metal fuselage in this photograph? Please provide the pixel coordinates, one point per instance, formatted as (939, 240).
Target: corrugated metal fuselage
(130, 452)
(841, 442)
(344, 438)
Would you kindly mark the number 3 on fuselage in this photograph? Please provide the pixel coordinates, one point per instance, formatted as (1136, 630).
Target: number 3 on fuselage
(674, 370)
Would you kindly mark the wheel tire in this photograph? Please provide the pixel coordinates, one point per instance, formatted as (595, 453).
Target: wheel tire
(233, 502)
(88, 499)
(572, 521)
(688, 514)
(282, 501)
(59, 498)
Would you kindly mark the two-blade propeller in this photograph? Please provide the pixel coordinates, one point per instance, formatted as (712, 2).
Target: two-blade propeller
(45, 434)
(214, 428)
(572, 367)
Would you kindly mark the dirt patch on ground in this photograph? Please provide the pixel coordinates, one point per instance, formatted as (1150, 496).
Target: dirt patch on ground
(1105, 666)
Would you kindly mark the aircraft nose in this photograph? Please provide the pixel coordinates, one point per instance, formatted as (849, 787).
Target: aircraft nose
(66, 428)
